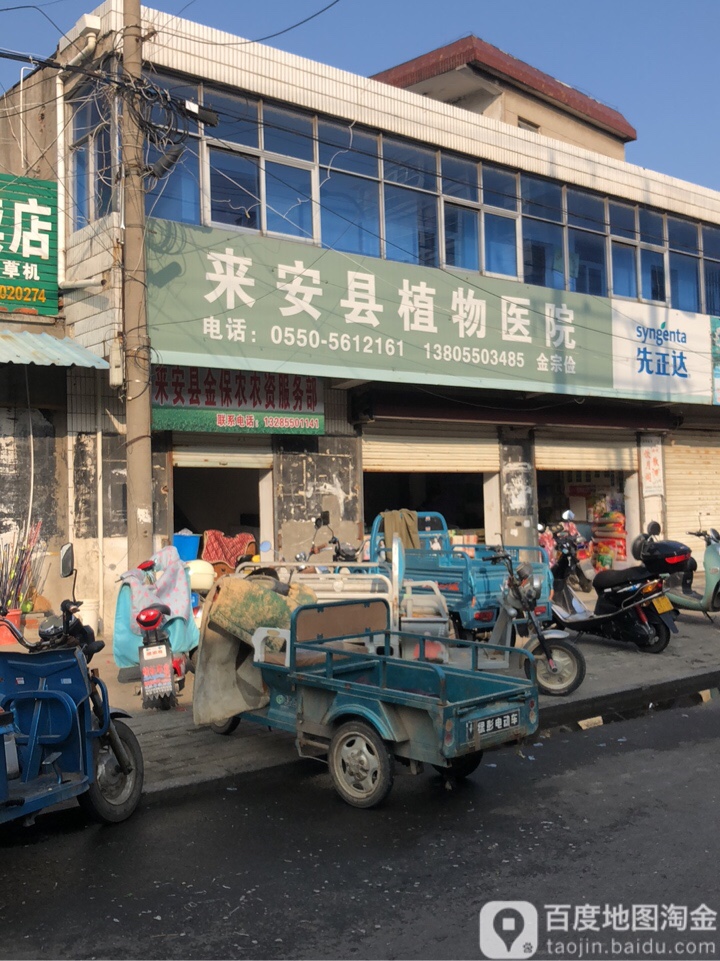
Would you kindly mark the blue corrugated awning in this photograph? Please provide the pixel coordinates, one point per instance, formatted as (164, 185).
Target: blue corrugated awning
(24, 347)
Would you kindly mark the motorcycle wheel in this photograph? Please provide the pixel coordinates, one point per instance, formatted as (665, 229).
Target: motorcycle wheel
(659, 642)
(571, 665)
(113, 796)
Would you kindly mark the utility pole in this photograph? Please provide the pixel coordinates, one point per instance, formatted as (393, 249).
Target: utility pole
(137, 341)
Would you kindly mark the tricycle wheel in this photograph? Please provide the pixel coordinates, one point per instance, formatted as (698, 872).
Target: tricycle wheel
(226, 727)
(570, 662)
(360, 764)
(113, 795)
(461, 767)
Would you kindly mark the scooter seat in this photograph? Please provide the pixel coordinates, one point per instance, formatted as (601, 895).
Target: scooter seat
(609, 579)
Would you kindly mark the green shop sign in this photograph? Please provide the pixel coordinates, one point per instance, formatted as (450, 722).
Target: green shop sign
(28, 246)
(235, 402)
(241, 301)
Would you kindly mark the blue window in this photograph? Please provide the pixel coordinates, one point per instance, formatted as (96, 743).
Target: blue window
(624, 270)
(460, 178)
(289, 133)
(543, 254)
(586, 262)
(462, 247)
(683, 236)
(651, 227)
(411, 226)
(585, 210)
(410, 165)
(289, 200)
(81, 212)
(500, 245)
(341, 147)
(177, 196)
(712, 288)
(499, 188)
(622, 221)
(541, 198)
(350, 214)
(234, 189)
(711, 242)
(652, 275)
(684, 282)
(237, 118)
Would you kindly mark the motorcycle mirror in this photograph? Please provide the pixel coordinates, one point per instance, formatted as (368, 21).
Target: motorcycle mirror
(653, 528)
(265, 546)
(714, 534)
(568, 516)
(541, 528)
(323, 520)
(67, 560)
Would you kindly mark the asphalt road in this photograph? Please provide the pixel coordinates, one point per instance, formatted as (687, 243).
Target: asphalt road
(274, 865)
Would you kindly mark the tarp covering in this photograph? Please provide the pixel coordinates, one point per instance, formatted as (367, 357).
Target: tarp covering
(227, 682)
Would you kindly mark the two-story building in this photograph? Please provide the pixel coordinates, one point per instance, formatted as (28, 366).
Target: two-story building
(439, 288)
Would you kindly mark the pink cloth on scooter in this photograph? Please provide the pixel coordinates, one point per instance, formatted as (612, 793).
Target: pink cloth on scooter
(171, 587)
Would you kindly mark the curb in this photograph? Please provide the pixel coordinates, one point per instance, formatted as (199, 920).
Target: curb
(628, 699)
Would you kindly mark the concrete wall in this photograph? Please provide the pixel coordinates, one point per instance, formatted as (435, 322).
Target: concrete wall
(314, 475)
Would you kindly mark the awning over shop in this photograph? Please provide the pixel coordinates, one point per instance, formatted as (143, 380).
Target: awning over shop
(24, 347)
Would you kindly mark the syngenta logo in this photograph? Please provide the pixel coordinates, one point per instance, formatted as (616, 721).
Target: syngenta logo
(660, 335)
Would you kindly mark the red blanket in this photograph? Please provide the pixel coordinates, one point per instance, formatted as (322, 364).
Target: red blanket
(218, 547)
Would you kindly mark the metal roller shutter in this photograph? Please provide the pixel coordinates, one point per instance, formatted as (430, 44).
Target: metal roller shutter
(584, 449)
(692, 469)
(430, 447)
(218, 450)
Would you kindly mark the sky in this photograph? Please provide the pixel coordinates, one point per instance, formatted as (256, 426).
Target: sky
(655, 61)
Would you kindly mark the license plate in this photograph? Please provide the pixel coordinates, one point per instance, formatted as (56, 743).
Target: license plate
(489, 725)
(156, 670)
(662, 604)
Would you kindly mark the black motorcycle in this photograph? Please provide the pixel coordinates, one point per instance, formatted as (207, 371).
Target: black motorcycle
(631, 604)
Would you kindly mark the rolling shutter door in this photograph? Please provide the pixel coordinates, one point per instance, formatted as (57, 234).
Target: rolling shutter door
(692, 470)
(430, 447)
(585, 449)
(218, 450)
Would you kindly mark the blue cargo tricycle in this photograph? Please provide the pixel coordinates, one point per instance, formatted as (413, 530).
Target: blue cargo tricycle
(363, 697)
(470, 582)
(59, 739)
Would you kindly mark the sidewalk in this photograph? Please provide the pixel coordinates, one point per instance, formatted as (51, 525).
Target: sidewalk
(619, 679)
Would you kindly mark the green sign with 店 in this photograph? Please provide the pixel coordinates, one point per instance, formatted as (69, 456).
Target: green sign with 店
(28, 246)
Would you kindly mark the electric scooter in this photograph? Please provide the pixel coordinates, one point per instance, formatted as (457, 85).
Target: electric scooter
(631, 605)
(678, 584)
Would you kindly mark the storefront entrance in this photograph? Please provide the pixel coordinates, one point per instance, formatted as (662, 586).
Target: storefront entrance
(596, 477)
(426, 466)
(223, 485)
